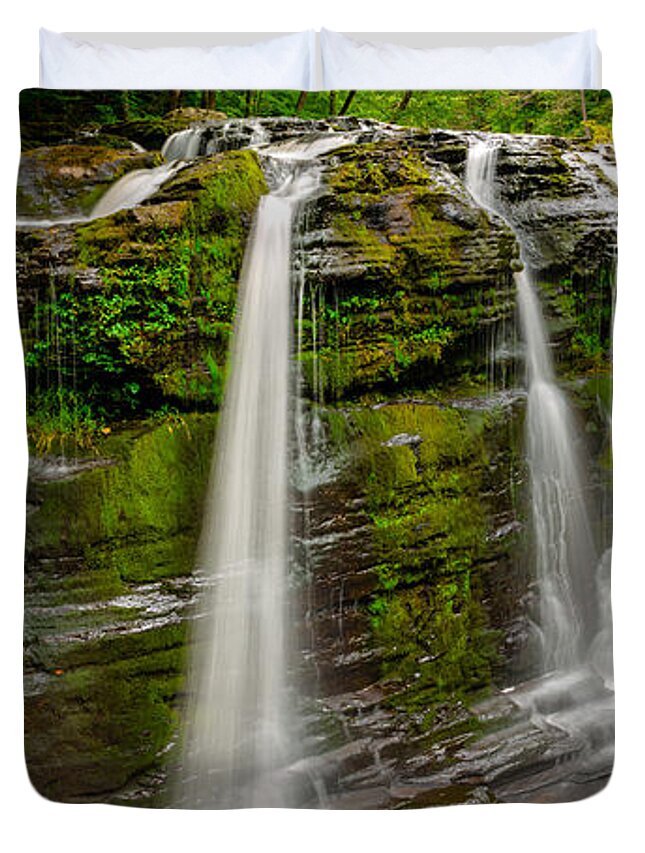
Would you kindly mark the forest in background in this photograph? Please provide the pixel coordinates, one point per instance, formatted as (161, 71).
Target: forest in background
(49, 116)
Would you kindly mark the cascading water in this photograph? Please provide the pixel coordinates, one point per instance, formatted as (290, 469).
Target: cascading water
(132, 189)
(565, 554)
(574, 693)
(241, 745)
(135, 187)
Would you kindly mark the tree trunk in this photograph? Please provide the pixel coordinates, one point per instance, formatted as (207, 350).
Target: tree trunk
(125, 105)
(332, 103)
(209, 99)
(347, 102)
(301, 101)
(583, 107)
(405, 100)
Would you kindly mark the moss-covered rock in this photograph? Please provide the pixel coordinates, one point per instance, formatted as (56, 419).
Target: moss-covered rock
(149, 492)
(67, 180)
(143, 299)
(437, 516)
(152, 132)
(561, 197)
(110, 552)
(411, 268)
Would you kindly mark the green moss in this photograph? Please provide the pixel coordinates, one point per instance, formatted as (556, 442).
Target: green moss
(371, 168)
(437, 646)
(141, 561)
(583, 306)
(429, 530)
(154, 325)
(152, 492)
(108, 715)
(112, 666)
(419, 271)
(368, 243)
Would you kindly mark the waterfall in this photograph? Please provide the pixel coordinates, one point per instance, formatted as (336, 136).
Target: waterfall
(565, 556)
(564, 549)
(132, 189)
(241, 735)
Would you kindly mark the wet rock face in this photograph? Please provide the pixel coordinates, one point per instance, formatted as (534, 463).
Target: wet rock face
(66, 180)
(108, 588)
(387, 214)
(562, 199)
(411, 269)
(414, 598)
(169, 267)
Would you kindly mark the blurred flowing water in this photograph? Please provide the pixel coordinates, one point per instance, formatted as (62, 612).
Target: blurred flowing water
(572, 649)
(241, 743)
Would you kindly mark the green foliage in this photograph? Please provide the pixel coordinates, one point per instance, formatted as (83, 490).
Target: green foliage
(155, 329)
(542, 112)
(584, 304)
(48, 116)
(599, 134)
(58, 418)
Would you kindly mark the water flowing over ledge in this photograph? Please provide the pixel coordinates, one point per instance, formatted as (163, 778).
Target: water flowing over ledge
(572, 625)
(241, 735)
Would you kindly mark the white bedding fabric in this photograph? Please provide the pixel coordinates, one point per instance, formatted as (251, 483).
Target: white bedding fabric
(290, 62)
(566, 62)
(285, 62)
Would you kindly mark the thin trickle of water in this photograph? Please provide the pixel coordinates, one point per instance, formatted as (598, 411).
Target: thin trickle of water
(314, 466)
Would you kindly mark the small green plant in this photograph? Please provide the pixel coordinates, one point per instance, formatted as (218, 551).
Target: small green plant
(217, 379)
(59, 417)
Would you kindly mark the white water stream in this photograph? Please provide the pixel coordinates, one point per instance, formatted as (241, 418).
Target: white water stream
(565, 554)
(573, 624)
(132, 189)
(127, 192)
(241, 733)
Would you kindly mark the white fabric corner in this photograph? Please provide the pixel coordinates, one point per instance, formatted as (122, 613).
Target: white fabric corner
(284, 62)
(565, 62)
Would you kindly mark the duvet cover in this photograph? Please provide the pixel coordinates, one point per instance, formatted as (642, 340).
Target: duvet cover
(319, 402)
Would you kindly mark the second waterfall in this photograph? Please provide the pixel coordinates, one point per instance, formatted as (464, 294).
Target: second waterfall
(565, 557)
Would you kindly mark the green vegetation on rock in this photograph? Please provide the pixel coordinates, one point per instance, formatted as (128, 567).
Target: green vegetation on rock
(413, 270)
(150, 492)
(422, 468)
(144, 318)
(103, 551)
